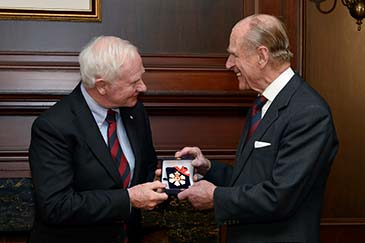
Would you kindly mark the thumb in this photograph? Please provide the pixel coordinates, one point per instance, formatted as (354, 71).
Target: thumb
(183, 195)
(156, 185)
(158, 172)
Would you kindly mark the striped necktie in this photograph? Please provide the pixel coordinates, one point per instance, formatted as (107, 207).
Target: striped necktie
(255, 116)
(116, 150)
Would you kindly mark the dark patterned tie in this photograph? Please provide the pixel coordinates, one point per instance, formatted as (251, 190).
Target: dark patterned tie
(255, 116)
(119, 158)
(116, 150)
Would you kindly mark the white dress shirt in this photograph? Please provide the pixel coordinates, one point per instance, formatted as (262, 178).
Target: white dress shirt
(275, 87)
(100, 114)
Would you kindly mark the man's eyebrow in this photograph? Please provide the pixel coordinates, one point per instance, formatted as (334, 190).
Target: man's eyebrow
(136, 80)
(229, 50)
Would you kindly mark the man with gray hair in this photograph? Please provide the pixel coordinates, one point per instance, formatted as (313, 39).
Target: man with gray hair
(91, 154)
(274, 192)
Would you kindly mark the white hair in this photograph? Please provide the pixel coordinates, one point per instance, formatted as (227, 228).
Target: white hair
(268, 31)
(104, 57)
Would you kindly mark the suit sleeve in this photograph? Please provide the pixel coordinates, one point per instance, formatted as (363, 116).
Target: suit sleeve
(219, 174)
(307, 148)
(150, 150)
(51, 163)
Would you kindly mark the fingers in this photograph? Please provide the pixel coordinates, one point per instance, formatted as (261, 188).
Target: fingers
(200, 195)
(181, 152)
(146, 195)
(200, 163)
(159, 188)
(158, 198)
(194, 151)
(196, 162)
(155, 185)
(197, 177)
(158, 173)
(183, 195)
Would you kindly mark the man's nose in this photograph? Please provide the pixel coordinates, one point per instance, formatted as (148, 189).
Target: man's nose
(141, 87)
(229, 62)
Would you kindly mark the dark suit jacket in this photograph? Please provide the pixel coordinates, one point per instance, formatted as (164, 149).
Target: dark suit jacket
(77, 185)
(274, 193)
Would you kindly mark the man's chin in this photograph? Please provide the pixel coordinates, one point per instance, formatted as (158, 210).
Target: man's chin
(128, 103)
(242, 85)
(132, 102)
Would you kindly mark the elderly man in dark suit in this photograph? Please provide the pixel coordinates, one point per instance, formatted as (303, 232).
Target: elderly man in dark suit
(91, 155)
(274, 192)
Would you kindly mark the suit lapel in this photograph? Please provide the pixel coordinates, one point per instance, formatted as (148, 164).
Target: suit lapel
(131, 126)
(248, 147)
(280, 102)
(244, 135)
(88, 127)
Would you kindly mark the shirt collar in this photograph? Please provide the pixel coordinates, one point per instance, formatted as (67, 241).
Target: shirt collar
(97, 110)
(278, 84)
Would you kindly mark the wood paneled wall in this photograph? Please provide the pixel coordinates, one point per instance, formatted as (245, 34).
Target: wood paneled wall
(191, 99)
(186, 75)
(184, 97)
(334, 66)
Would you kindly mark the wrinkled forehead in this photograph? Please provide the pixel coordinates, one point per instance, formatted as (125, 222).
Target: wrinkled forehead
(131, 61)
(237, 36)
(132, 67)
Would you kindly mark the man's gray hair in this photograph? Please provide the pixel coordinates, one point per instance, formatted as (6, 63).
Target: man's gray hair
(269, 31)
(104, 57)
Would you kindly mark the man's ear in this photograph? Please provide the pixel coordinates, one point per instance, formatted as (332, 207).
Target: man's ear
(101, 86)
(263, 56)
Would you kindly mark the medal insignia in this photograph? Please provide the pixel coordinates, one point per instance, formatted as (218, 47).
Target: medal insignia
(178, 177)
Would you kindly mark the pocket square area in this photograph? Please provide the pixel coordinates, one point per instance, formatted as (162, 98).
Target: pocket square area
(259, 144)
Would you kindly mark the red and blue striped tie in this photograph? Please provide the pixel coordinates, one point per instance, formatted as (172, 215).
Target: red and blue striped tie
(116, 150)
(119, 158)
(255, 116)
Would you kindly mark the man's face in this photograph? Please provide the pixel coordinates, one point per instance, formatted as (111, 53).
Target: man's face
(124, 91)
(243, 62)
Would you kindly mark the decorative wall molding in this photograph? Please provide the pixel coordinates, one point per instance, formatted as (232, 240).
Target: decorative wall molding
(57, 73)
(31, 82)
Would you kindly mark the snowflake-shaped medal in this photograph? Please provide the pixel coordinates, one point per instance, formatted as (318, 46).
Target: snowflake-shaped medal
(177, 179)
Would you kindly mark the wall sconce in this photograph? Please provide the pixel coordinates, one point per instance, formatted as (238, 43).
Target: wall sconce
(355, 7)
